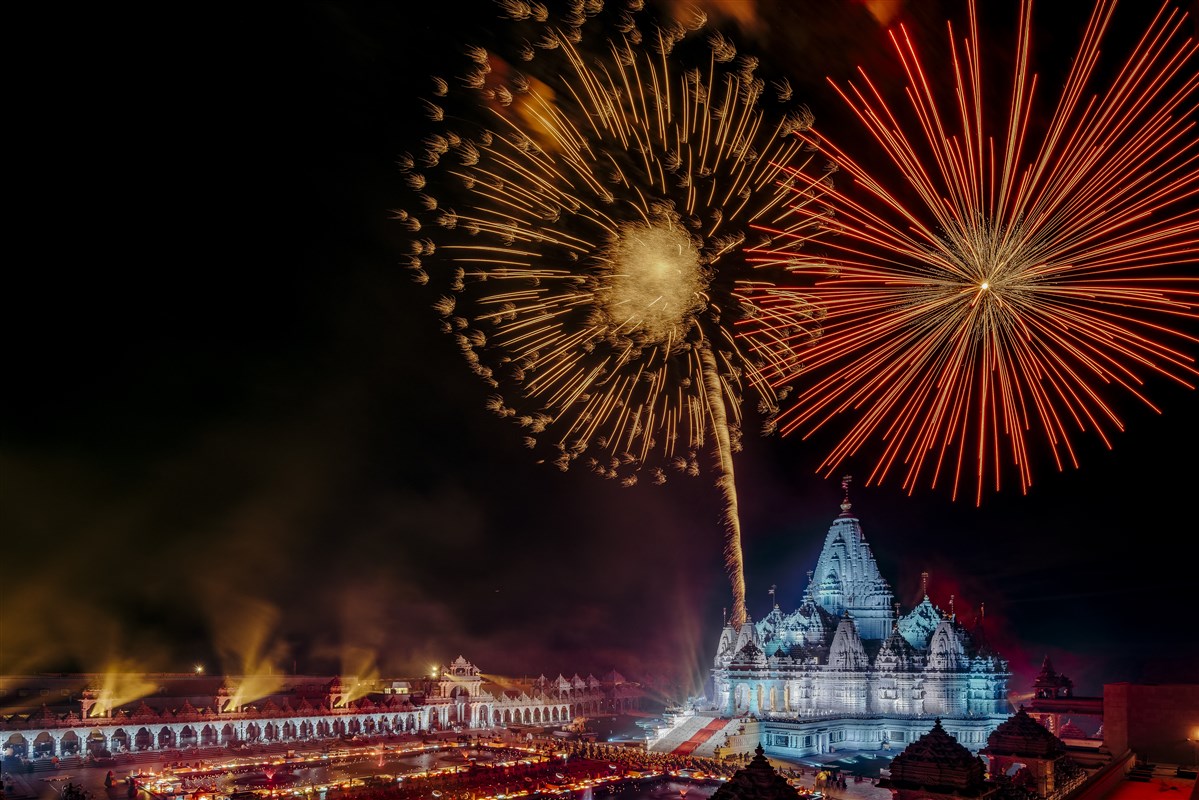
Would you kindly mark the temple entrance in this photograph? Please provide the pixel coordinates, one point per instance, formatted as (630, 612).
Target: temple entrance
(97, 744)
(16, 747)
(43, 746)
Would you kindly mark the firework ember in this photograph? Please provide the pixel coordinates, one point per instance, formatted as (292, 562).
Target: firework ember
(589, 220)
(993, 300)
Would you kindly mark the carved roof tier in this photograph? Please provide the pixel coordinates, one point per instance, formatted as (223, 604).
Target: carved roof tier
(939, 763)
(1023, 736)
(756, 781)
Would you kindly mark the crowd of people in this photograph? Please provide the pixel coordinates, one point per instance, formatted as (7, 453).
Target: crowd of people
(490, 766)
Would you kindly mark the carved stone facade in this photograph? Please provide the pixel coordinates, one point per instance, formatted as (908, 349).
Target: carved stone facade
(845, 670)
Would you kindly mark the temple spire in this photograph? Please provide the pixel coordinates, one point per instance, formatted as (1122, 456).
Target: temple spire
(924, 583)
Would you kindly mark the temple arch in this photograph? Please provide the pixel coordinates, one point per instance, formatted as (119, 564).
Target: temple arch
(16, 746)
(43, 745)
(208, 736)
(97, 742)
(166, 738)
(68, 744)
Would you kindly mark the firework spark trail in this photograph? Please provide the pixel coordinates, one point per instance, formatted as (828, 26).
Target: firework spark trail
(996, 313)
(591, 222)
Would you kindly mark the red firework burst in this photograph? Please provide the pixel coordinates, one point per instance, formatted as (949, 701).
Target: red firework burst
(1021, 278)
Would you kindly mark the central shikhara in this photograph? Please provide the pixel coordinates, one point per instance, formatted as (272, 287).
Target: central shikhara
(844, 669)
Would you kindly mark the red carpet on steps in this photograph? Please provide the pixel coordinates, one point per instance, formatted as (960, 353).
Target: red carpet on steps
(688, 747)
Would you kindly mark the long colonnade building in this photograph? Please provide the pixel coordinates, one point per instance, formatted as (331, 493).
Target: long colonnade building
(75, 716)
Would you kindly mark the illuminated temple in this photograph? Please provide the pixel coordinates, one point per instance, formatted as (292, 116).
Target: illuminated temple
(844, 670)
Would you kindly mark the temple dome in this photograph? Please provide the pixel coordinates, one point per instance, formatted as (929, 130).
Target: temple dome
(749, 657)
(946, 651)
(773, 632)
(811, 621)
(896, 654)
(917, 626)
(747, 634)
(727, 645)
(846, 651)
(847, 576)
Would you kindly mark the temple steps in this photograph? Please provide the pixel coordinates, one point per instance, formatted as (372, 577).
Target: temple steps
(707, 748)
(681, 733)
(699, 737)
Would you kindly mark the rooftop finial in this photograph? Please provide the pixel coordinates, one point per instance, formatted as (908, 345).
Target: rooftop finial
(895, 621)
(845, 504)
(774, 595)
(924, 583)
(724, 612)
(952, 614)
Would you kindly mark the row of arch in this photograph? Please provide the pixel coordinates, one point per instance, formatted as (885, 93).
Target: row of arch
(483, 715)
(126, 738)
(135, 738)
(119, 739)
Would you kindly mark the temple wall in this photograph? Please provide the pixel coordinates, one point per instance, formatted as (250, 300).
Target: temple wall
(746, 740)
(1152, 720)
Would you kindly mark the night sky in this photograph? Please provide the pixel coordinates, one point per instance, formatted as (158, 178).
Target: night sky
(233, 434)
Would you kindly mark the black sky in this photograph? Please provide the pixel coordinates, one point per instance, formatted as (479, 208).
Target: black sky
(233, 434)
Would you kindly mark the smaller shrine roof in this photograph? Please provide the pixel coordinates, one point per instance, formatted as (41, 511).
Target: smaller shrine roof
(1023, 736)
(938, 763)
(756, 781)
